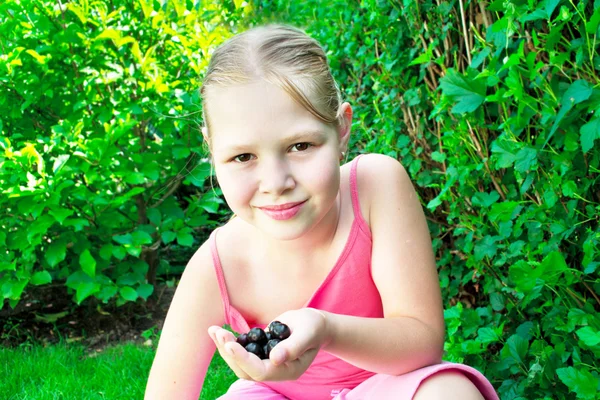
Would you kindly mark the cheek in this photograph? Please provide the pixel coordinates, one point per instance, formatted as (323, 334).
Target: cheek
(323, 178)
(236, 188)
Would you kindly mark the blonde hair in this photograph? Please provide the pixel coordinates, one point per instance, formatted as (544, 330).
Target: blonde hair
(282, 55)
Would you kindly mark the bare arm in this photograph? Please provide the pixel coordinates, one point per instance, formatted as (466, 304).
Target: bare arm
(185, 349)
(411, 335)
(392, 346)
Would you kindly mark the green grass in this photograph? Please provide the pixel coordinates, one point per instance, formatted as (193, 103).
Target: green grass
(65, 372)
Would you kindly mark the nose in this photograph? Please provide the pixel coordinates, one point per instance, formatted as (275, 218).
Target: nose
(275, 176)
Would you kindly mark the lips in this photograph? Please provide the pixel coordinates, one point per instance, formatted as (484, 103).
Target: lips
(281, 207)
(282, 212)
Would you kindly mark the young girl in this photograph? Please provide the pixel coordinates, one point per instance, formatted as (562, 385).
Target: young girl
(340, 254)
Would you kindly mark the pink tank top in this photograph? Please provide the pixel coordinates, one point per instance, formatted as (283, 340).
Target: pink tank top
(348, 289)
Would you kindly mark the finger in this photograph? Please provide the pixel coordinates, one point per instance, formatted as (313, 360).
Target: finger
(248, 362)
(224, 336)
(290, 370)
(218, 337)
(295, 368)
(290, 349)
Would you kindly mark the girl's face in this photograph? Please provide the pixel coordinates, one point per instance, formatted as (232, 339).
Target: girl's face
(269, 151)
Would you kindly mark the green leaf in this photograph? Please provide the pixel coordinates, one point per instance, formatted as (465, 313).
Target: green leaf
(526, 159)
(424, 57)
(119, 252)
(590, 132)
(517, 346)
(525, 330)
(439, 157)
(145, 290)
(591, 26)
(128, 293)
(497, 301)
(579, 381)
(56, 252)
(184, 238)
(60, 214)
(59, 162)
(50, 318)
(553, 266)
(468, 92)
(168, 236)
(135, 178)
(88, 263)
(485, 200)
(550, 198)
(123, 239)
(41, 278)
(85, 290)
(486, 248)
(589, 336)
(569, 188)
(109, 33)
(505, 211)
(577, 92)
(523, 275)
(487, 335)
(480, 57)
(140, 237)
(106, 251)
(40, 59)
(504, 152)
(78, 223)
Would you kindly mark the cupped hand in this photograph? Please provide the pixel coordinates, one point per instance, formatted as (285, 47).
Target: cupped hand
(289, 359)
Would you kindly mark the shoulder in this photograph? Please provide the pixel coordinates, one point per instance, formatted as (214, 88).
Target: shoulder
(378, 177)
(374, 164)
(200, 271)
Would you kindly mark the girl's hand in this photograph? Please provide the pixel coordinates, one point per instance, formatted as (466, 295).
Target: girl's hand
(289, 359)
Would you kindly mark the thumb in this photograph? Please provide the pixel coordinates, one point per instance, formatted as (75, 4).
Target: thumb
(278, 355)
(289, 350)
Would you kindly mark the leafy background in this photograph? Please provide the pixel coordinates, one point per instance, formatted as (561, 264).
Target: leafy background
(491, 107)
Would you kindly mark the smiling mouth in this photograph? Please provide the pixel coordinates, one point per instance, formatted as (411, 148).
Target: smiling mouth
(285, 211)
(282, 207)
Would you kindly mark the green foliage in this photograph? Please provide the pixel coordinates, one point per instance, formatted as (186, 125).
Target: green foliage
(493, 110)
(101, 161)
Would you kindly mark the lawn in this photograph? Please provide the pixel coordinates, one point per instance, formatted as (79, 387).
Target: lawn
(66, 372)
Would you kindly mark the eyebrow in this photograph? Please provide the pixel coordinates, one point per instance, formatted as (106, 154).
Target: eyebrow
(296, 137)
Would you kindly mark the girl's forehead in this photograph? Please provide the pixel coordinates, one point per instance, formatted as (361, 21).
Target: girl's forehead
(257, 111)
(250, 97)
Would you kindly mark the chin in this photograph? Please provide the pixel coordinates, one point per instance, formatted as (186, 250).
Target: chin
(283, 230)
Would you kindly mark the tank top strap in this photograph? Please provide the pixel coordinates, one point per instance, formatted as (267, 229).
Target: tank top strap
(354, 192)
(220, 275)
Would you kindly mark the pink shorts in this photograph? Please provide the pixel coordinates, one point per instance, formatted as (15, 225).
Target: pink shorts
(380, 386)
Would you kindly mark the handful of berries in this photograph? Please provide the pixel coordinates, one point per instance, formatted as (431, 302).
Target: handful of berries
(261, 342)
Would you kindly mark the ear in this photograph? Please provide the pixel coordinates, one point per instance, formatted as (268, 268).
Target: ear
(344, 130)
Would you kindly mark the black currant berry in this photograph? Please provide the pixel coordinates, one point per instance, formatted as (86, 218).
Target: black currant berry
(257, 335)
(269, 335)
(243, 339)
(279, 331)
(269, 346)
(272, 324)
(255, 349)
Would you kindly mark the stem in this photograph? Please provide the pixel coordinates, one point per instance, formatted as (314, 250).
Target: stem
(464, 26)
